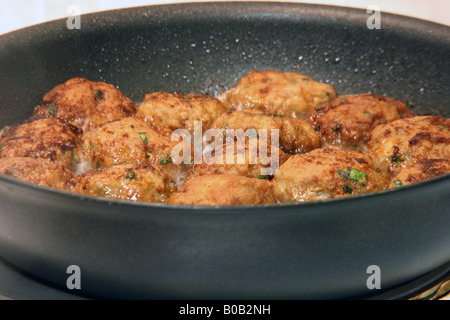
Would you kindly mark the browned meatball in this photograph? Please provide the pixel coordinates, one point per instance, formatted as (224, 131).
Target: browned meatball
(126, 182)
(327, 173)
(404, 142)
(295, 135)
(346, 122)
(38, 171)
(420, 171)
(41, 138)
(280, 93)
(85, 104)
(177, 111)
(243, 159)
(224, 190)
(127, 141)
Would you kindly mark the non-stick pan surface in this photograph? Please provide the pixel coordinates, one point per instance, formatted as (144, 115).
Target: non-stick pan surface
(312, 250)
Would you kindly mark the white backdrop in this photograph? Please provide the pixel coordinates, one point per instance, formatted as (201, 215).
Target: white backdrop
(20, 13)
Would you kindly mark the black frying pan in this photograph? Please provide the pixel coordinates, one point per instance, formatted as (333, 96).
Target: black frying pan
(312, 250)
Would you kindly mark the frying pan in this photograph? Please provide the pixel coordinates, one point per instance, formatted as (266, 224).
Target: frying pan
(317, 250)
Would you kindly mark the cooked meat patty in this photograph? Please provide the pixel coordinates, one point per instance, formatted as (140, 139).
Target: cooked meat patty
(177, 111)
(420, 171)
(42, 138)
(406, 141)
(346, 122)
(85, 104)
(224, 190)
(280, 93)
(127, 141)
(327, 173)
(126, 182)
(38, 171)
(295, 135)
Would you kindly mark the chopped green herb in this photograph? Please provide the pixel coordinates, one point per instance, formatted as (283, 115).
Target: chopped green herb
(98, 165)
(347, 189)
(143, 136)
(398, 183)
(131, 175)
(52, 109)
(98, 94)
(319, 107)
(2, 147)
(357, 175)
(337, 127)
(353, 174)
(263, 177)
(166, 160)
(74, 157)
(93, 146)
(368, 113)
(344, 174)
(397, 159)
(171, 182)
(306, 79)
(441, 126)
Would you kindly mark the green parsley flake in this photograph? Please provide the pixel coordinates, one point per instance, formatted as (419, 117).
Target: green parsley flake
(143, 136)
(166, 160)
(2, 147)
(52, 109)
(98, 94)
(353, 174)
(347, 189)
(263, 177)
(131, 175)
(398, 183)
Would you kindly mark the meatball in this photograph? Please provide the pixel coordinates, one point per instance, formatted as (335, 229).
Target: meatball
(346, 122)
(41, 138)
(420, 171)
(245, 158)
(38, 171)
(177, 111)
(85, 104)
(126, 182)
(404, 142)
(224, 190)
(280, 93)
(127, 141)
(295, 135)
(327, 173)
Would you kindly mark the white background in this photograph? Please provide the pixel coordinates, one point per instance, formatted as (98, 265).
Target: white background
(21, 13)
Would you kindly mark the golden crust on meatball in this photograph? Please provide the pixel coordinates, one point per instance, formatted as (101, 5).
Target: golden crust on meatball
(406, 141)
(327, 173)
(280, 93)
(346, 122)
(127, 141)
(295, 135)
(246, 158)
(225, 190)
(126, 182)
(42, 138)
(420, 171)
(85, 104)
(177, 111)
(38, 171)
